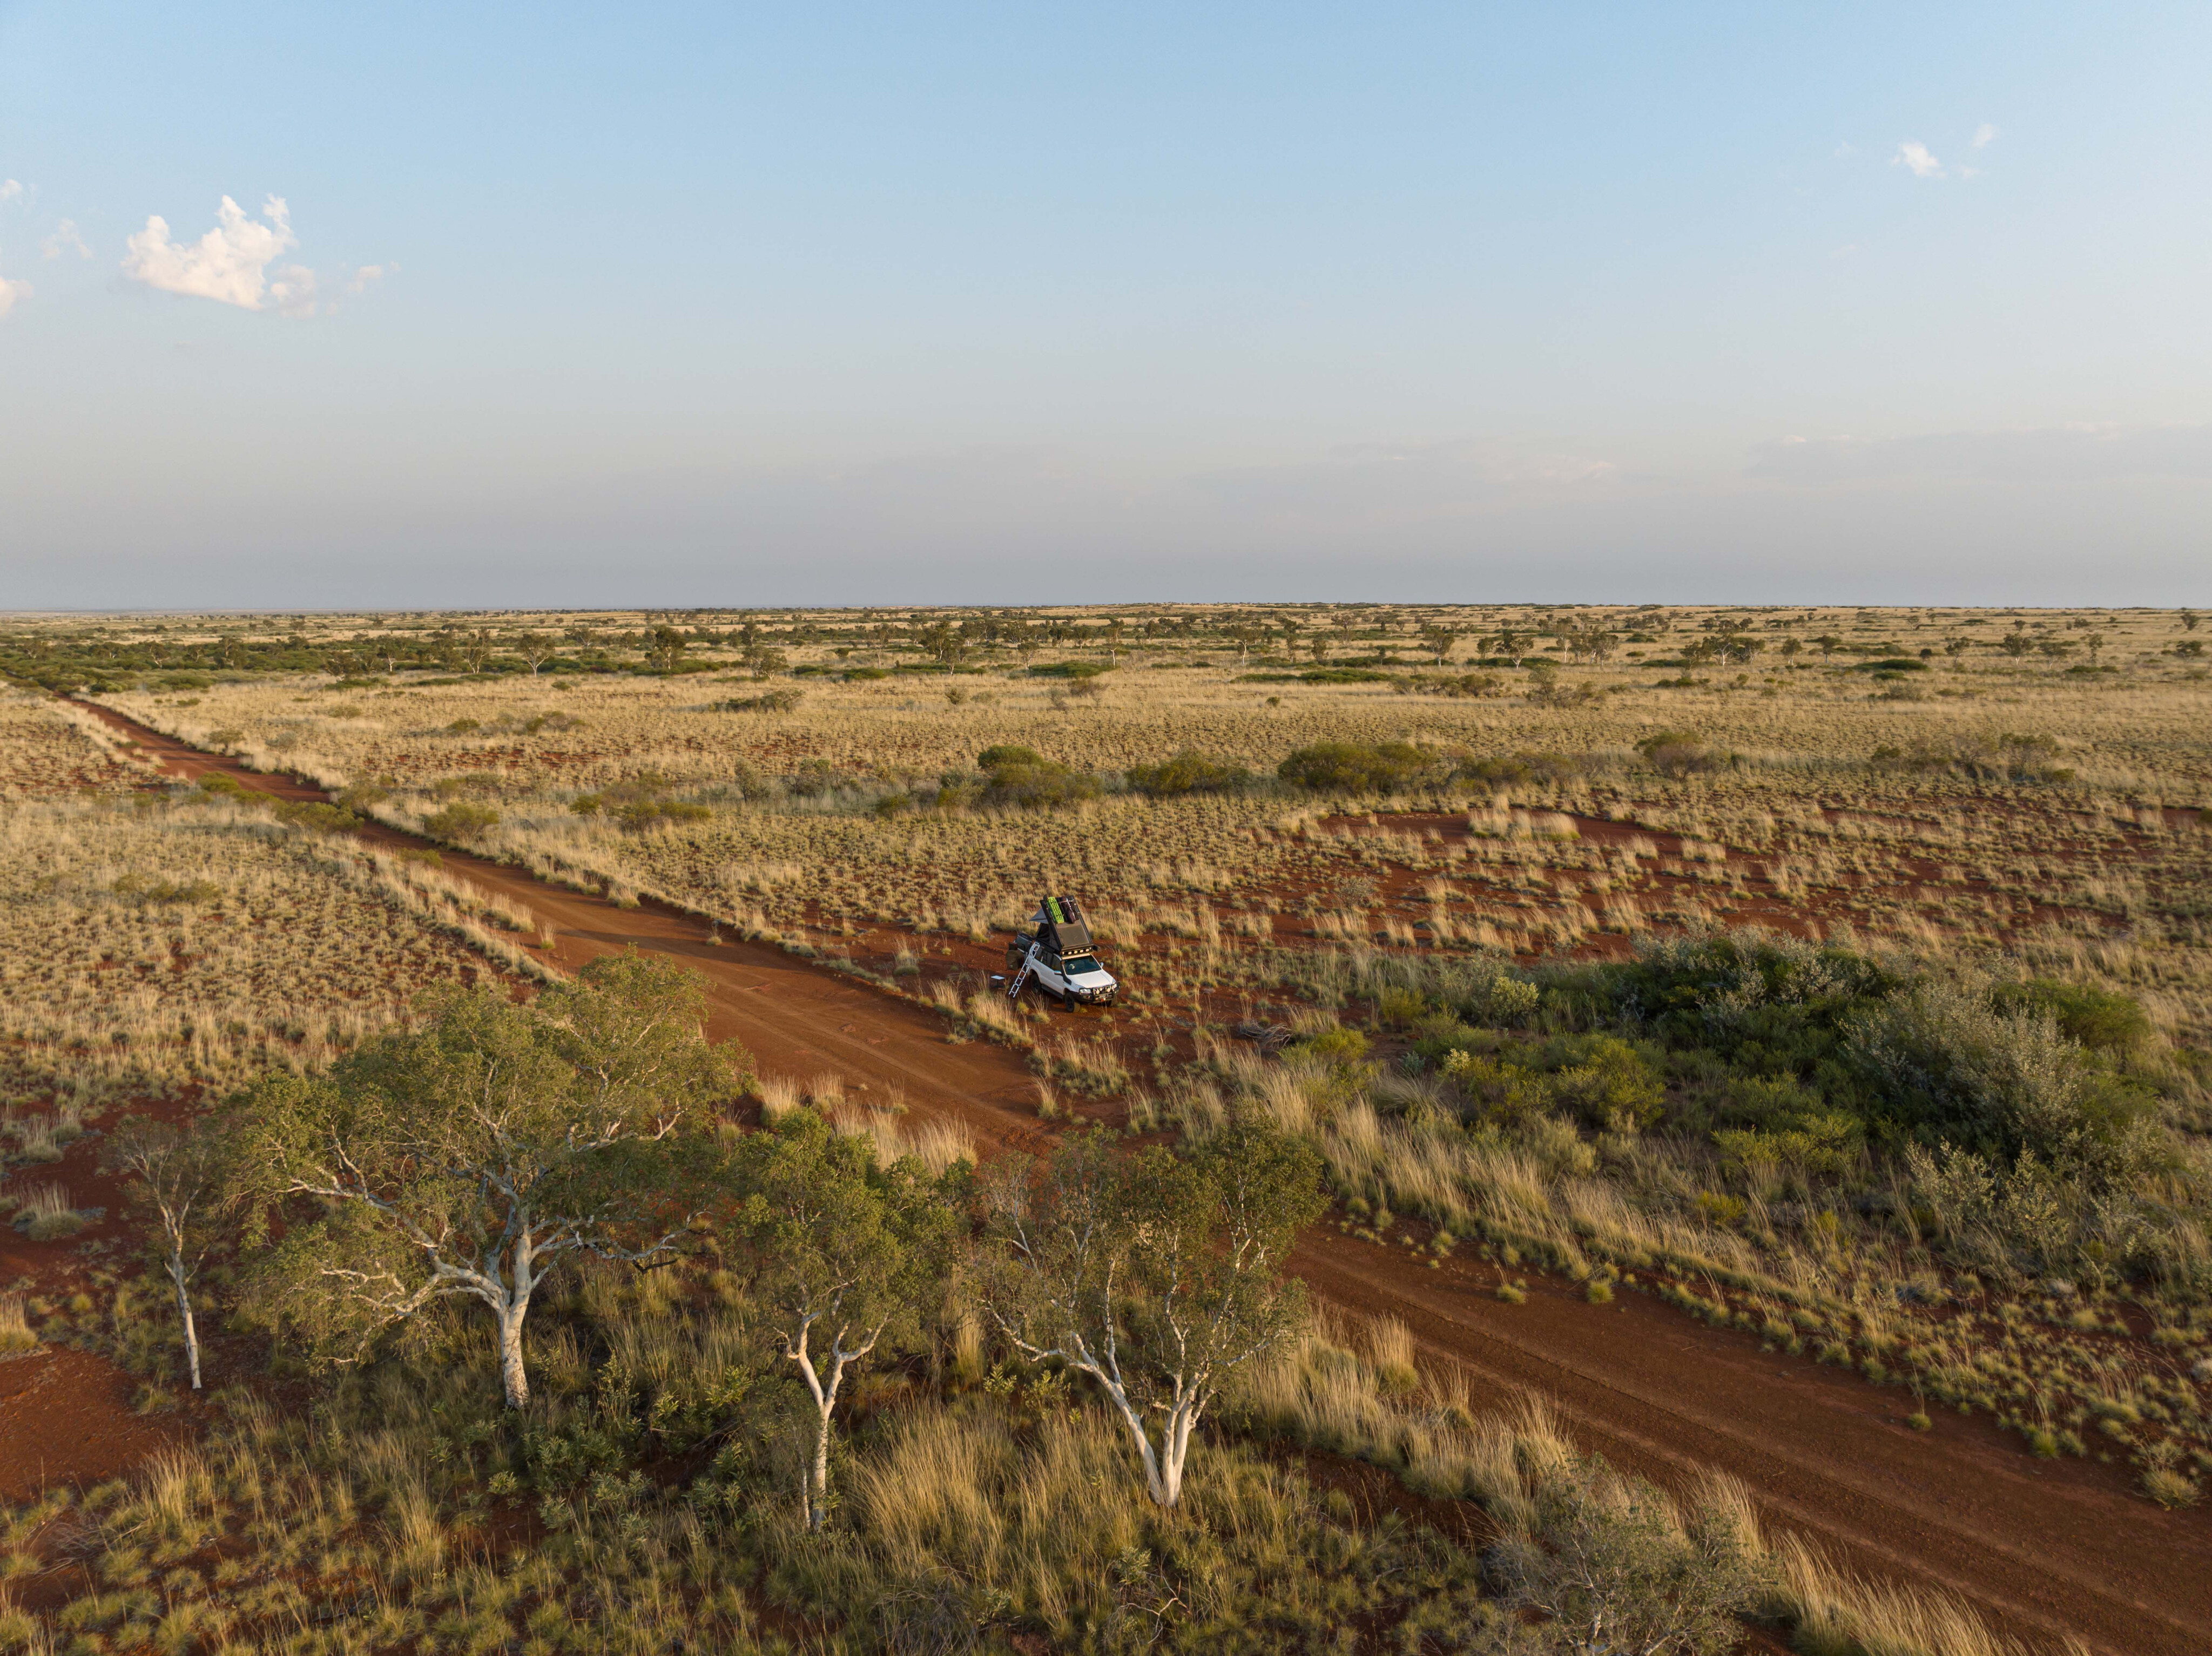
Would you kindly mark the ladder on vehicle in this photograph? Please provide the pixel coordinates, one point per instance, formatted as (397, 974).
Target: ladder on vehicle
(1021, 978)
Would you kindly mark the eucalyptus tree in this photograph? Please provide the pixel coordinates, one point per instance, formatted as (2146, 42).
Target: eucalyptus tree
(465, 1158)
(844, 1250)
(1160, 1276)
(180, 1173)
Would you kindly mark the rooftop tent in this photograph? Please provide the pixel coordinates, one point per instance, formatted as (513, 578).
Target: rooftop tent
(1061, 926)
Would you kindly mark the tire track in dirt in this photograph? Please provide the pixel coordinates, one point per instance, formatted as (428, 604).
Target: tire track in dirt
(2050, 1547)
(2044, 1549)
(795, 1018)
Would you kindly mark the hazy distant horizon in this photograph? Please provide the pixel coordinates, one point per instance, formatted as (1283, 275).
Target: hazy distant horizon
(689, 304)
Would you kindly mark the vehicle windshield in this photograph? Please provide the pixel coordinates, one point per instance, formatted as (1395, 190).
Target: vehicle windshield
(1079, 963)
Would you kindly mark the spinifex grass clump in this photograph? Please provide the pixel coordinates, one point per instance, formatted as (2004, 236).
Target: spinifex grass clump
(16, 1335)
(45, 1214)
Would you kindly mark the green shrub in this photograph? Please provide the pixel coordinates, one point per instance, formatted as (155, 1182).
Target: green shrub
(2100, 1019)
(642, 814)
(1188, 772)
(640, 803)
(316, 817)
(1945, 1064)
(1398, 1009)
(1604, 1081)
(1341, 1046)
(1354, 767)
(1502, 1092)
(1021, 778)
(1516, 769)
(462, 823)
(1679, 753)
(772, 701)
(468, 784)
(138, 887)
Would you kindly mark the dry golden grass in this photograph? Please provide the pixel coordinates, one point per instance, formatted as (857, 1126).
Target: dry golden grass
(2089, 861)
(150, 939)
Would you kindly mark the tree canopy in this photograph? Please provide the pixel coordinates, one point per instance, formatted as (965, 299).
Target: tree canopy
(844, 1248)
(1159, 1275)
(462, 1158)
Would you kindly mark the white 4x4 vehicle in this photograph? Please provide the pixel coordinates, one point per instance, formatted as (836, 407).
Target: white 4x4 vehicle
(1059, 954)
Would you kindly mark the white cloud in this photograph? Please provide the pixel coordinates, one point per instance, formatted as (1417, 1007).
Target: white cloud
(228, 264)
(1914, 155)
(1985, 136)
(9, 190)
(12, 291)
(292, 291)
(65, 239)
(363, 277)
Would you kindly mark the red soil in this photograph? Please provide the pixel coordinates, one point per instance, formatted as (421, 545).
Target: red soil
(66, 1414)
(2045, 1549)
(66, 1418)
(1910, 878)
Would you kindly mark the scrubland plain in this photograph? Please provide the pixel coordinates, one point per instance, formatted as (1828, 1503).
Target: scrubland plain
(1840, 978)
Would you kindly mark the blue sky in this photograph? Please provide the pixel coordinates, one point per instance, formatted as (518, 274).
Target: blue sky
(738, 305)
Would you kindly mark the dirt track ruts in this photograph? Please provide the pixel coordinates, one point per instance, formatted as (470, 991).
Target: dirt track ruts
(2044, 1547)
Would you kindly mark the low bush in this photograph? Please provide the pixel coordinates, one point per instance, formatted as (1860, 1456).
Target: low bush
(2102, 1020)
(1188, 772)
(1355, 766)
(772, 701)
(319, 816)
(1519, 769)
(1678, 753)
(1021, 778)
(142, 888)
(641, 804)
(1945, 1064)
(1449, 684)
(461, 822)
(470, 785)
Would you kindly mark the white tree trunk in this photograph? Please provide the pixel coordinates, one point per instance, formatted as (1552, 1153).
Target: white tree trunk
(818, 1504)
(825, 1399)
(511, 1307)
(1164, 1464)
(185, 1312)
(514, 1377)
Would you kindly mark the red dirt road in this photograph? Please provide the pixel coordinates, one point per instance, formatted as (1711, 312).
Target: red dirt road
(2047, 1549)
